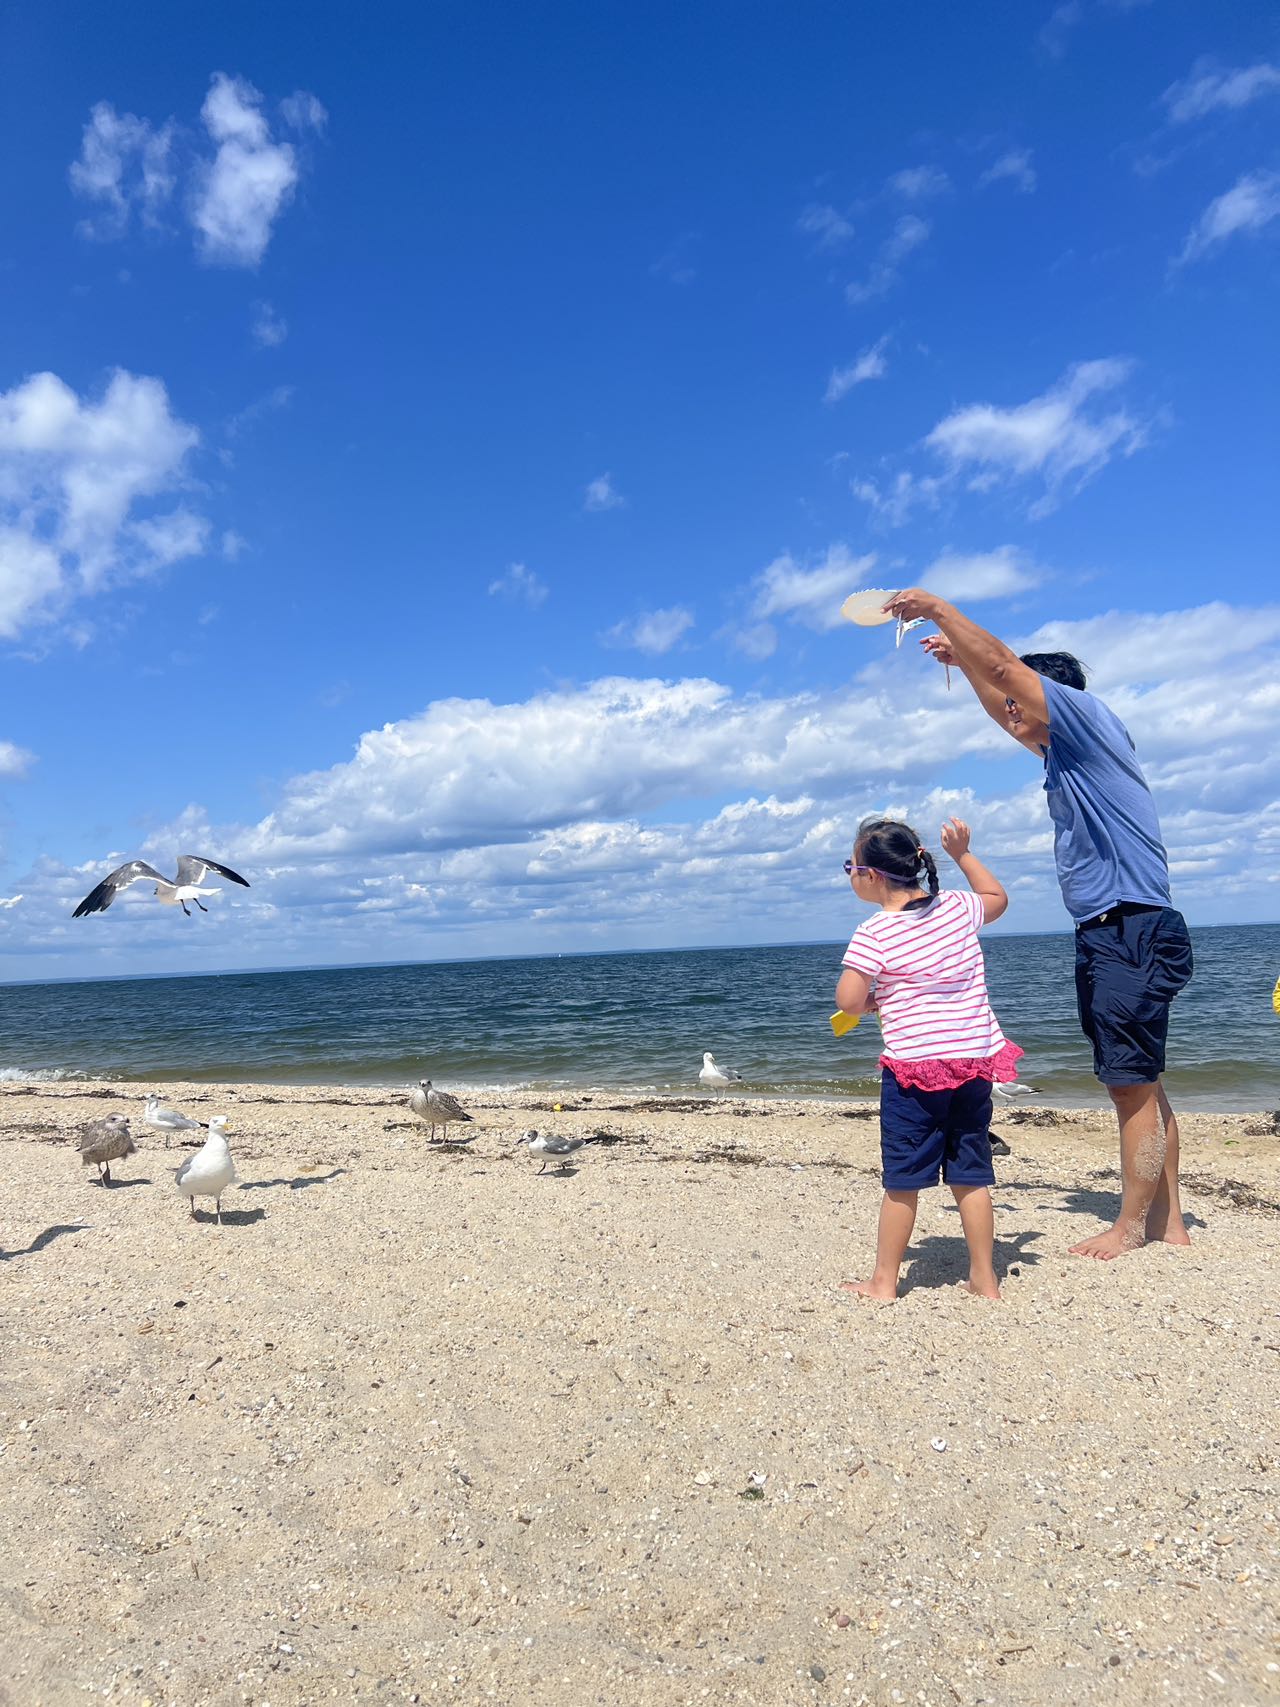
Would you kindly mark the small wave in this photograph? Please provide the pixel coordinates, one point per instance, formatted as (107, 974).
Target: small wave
(37, 1075)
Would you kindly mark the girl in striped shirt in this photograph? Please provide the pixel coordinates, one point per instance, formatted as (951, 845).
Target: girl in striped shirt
(918, 962)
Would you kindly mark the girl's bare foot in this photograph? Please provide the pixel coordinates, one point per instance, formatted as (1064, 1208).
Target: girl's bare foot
(1117, 1241)
(1167, 1230)
(989, 1289)
(884, 1292)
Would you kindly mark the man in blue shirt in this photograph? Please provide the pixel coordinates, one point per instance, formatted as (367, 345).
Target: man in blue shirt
(1133, 953)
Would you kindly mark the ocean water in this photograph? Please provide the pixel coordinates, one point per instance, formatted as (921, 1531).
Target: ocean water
(628, 1021)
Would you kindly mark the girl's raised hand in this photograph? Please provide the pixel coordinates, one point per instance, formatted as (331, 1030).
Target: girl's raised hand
(955, 838)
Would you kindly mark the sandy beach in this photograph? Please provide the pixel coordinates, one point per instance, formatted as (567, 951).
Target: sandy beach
(421, 1425)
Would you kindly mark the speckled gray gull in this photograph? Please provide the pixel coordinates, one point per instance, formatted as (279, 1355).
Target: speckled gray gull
(167, 1120)
(105, 1141)
(547, 1145)
(715, 1077)
(210, 1171)
(437, 1108)
(187, 885)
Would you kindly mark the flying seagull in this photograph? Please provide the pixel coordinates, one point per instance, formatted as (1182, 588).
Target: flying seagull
(437, 1108)
(545, 1144)
(168, 1120)
(210, 1171)
(172, 891)
(715, 1078)
(105, 1141)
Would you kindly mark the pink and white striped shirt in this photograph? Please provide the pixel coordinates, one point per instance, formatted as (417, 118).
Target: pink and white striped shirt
(928, 975)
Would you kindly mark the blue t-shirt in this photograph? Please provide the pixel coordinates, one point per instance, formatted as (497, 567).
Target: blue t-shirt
(1106, 836)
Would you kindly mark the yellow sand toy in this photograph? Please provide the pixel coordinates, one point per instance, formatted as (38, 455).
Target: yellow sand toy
(842, 1022)
(1275, 1002)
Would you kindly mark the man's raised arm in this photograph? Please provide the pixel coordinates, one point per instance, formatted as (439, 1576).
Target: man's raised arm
(994, 672)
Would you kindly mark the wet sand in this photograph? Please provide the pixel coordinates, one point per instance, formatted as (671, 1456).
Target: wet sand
(422, 1425)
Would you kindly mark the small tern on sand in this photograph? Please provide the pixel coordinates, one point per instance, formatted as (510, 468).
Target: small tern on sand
(715, 1078)
(168, 1120)
(546, 1145)
(210, 1171)
(176, 891)
(1015, 1092)
(437, 1108)
(105, 1141)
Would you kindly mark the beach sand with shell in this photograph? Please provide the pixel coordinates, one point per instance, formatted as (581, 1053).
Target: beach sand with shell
(422, 1424)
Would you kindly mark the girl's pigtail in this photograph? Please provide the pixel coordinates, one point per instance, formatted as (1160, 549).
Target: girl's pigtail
(926, 860)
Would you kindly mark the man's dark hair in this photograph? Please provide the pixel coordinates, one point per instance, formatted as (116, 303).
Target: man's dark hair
(1057, 666)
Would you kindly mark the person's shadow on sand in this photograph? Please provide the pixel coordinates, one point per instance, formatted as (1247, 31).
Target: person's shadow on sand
(1082, 1200)
(942, 1259)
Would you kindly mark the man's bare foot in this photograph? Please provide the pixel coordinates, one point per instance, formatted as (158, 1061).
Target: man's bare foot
(1117, 1241)
(882, 1291)
(989, 1289)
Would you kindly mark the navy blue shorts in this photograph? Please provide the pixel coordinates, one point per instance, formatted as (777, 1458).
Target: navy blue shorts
(927, 1133)
(1131, 961)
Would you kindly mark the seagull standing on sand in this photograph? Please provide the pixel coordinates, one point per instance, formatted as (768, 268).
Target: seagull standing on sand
(168, 1120)
(545, 1144)
(170, 891)
(1015, 1092)
(103, 1142)
(716, 1078)
(210, 1171)
(437, 1108)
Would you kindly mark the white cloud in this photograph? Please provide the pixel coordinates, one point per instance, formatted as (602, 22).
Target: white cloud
(73, 473)
(15, 761)
(654, 631)
(302, 111)
(813, 594)
(268, 329)
(124, 165)
(825, 223)
(1055, 436)
(908, 234)
(870, 364)
(997, 574)
(1251, 203)
(10, 901)
(601, 494)
(519, 583)
(894, 501)
(233, 545)
(1012, 167)
(1211, 88)
(242, 191)
(917, 183)
(1065, 18)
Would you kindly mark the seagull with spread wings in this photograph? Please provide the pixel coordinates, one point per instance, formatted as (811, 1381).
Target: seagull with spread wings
(171, 891)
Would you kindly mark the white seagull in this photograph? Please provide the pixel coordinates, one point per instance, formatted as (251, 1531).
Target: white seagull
(437, 1108)
(1015, 1092)
(210, 1171)
(545, 1144)
(715, 1078)
(168, 1120)
(103, 1142)
(171, 891)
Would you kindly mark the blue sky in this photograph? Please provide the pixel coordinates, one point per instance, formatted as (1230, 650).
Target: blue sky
(431, 461)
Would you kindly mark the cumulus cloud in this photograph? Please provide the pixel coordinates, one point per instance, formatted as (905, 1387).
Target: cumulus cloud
(870, 364)
(1059, 437)
(1212, 88)
(1249, 205)
(124, 165)
(520, 584)
(243, 189)
(268, 329)
(810, 592)
(75, 475)
(602, 494)
(917, 183)
(907, 236)
(15, 762)
(655, 631)
(961, 576)
(893, 501)
(1013, 167)
(826, 224)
